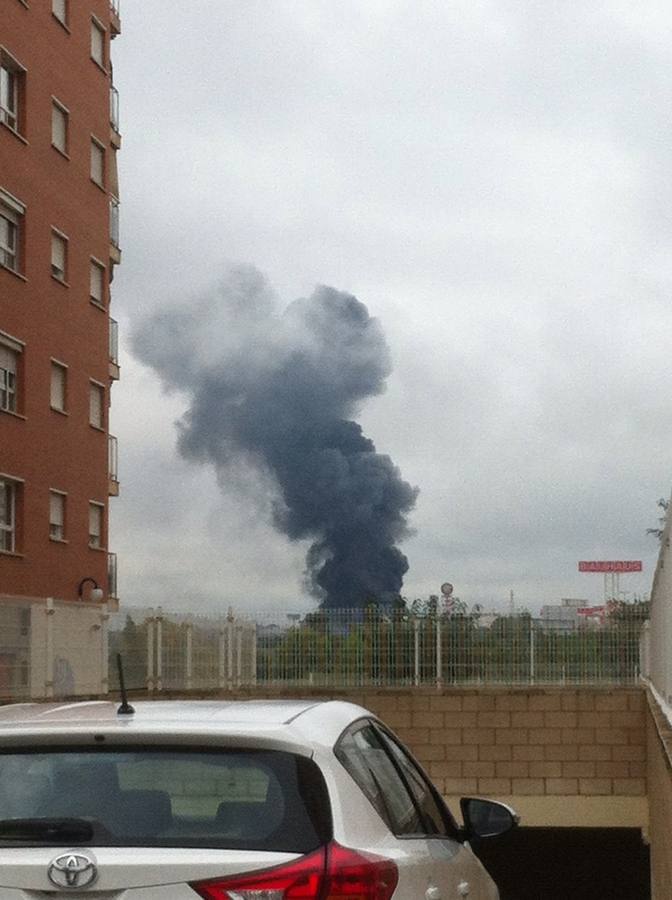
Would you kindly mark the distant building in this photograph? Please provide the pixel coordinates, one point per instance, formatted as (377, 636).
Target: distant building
(562, 617)
(59, 244)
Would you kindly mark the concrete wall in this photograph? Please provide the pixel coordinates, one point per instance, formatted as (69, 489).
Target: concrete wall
(659, 739)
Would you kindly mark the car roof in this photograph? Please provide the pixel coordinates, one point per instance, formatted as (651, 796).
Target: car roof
(295, 725)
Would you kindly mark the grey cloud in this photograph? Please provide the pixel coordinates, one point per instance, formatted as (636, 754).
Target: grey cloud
(279, 391)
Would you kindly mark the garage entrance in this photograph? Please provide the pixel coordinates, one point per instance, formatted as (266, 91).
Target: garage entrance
(569, 864)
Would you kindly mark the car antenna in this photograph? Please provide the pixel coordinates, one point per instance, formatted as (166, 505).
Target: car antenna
(125, 709)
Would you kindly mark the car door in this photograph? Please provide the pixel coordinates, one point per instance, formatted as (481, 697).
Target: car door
(362, 753)
(456, 871)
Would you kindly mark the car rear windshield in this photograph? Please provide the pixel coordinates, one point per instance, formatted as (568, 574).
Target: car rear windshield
(242, 799)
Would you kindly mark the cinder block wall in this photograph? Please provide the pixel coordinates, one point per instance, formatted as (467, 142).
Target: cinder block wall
(524, 742)
(659, 735)
(561, 756)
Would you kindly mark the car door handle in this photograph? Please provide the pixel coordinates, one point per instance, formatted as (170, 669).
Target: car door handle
(432, 893)
(463, 889)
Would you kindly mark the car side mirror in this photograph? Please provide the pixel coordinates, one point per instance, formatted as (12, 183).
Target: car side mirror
(486, 818)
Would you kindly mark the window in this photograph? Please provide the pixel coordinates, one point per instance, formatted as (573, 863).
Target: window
(97, 42)
(59, 255)
(433, 811)
(60, 9)
(97, 282)
(97, 162)
(96, 405)
(8, 503)
(11, 90)
(59, 126)
(10, 354)
(59, 374)
(96, 524)
(56, 516)
(11, 216)
(394, 784)
(364, 756)
(228, 799)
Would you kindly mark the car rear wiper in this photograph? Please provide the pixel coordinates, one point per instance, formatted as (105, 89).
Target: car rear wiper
(45, 829)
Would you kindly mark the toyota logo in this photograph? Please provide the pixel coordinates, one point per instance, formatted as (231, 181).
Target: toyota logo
(72, 870)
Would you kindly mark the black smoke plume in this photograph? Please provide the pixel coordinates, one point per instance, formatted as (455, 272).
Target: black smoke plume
(279, 390)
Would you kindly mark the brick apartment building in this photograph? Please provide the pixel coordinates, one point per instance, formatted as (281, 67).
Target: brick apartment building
(59, 136)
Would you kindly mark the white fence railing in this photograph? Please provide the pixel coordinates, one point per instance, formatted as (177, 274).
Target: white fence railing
(656, 649)
(350, 648)
(169, 651)
(67, 649)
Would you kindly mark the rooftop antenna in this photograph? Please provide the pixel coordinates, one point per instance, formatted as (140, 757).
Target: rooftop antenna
(125, 709)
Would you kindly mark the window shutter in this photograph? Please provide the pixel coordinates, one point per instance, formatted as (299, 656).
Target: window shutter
(57, 256)
(55, 508)
(97, 162)
(97, 44)
(59, 127)
(5, 503)
(96, 282)
(57, 386)
(95, 524)
(7, 359)
(58, 7)
(96, 406)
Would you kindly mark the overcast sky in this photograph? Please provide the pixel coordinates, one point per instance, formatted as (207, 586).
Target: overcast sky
(492, 180)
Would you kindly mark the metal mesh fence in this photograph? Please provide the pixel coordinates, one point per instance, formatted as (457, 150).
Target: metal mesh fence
(61, 650)
(350, 648)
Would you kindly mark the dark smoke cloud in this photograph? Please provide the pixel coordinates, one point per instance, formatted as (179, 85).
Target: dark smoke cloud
(279, 390)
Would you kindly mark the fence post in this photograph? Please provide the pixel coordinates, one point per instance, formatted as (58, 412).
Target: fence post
(439, 655)
(221, 654)
(49, 612)
(239, 655)
(159, 649)
(104, 649)
(229, 649)
(253, 654)
(189, 654)
(150, 652)
(416, 651)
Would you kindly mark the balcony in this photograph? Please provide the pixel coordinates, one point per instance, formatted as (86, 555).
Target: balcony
(115, 21)
(115, 135)
(114, 350)
(112, 592)
(113, 466)
(115, 250)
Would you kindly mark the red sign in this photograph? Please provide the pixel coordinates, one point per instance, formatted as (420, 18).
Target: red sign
(592, 611)
(633, 565)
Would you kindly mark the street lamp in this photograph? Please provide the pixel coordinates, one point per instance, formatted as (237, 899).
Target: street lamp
(96, 593)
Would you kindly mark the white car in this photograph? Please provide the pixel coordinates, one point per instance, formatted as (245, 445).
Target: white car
(246, 800)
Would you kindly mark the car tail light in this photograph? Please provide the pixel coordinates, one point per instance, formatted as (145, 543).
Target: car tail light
(338, 874)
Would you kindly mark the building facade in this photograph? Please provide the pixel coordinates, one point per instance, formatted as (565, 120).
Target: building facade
(59, 245)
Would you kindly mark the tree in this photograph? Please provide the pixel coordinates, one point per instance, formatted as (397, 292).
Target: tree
(624, 613)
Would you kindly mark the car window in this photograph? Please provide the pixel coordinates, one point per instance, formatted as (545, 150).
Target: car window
(364, 756)
(262, 800)
(434, 813)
